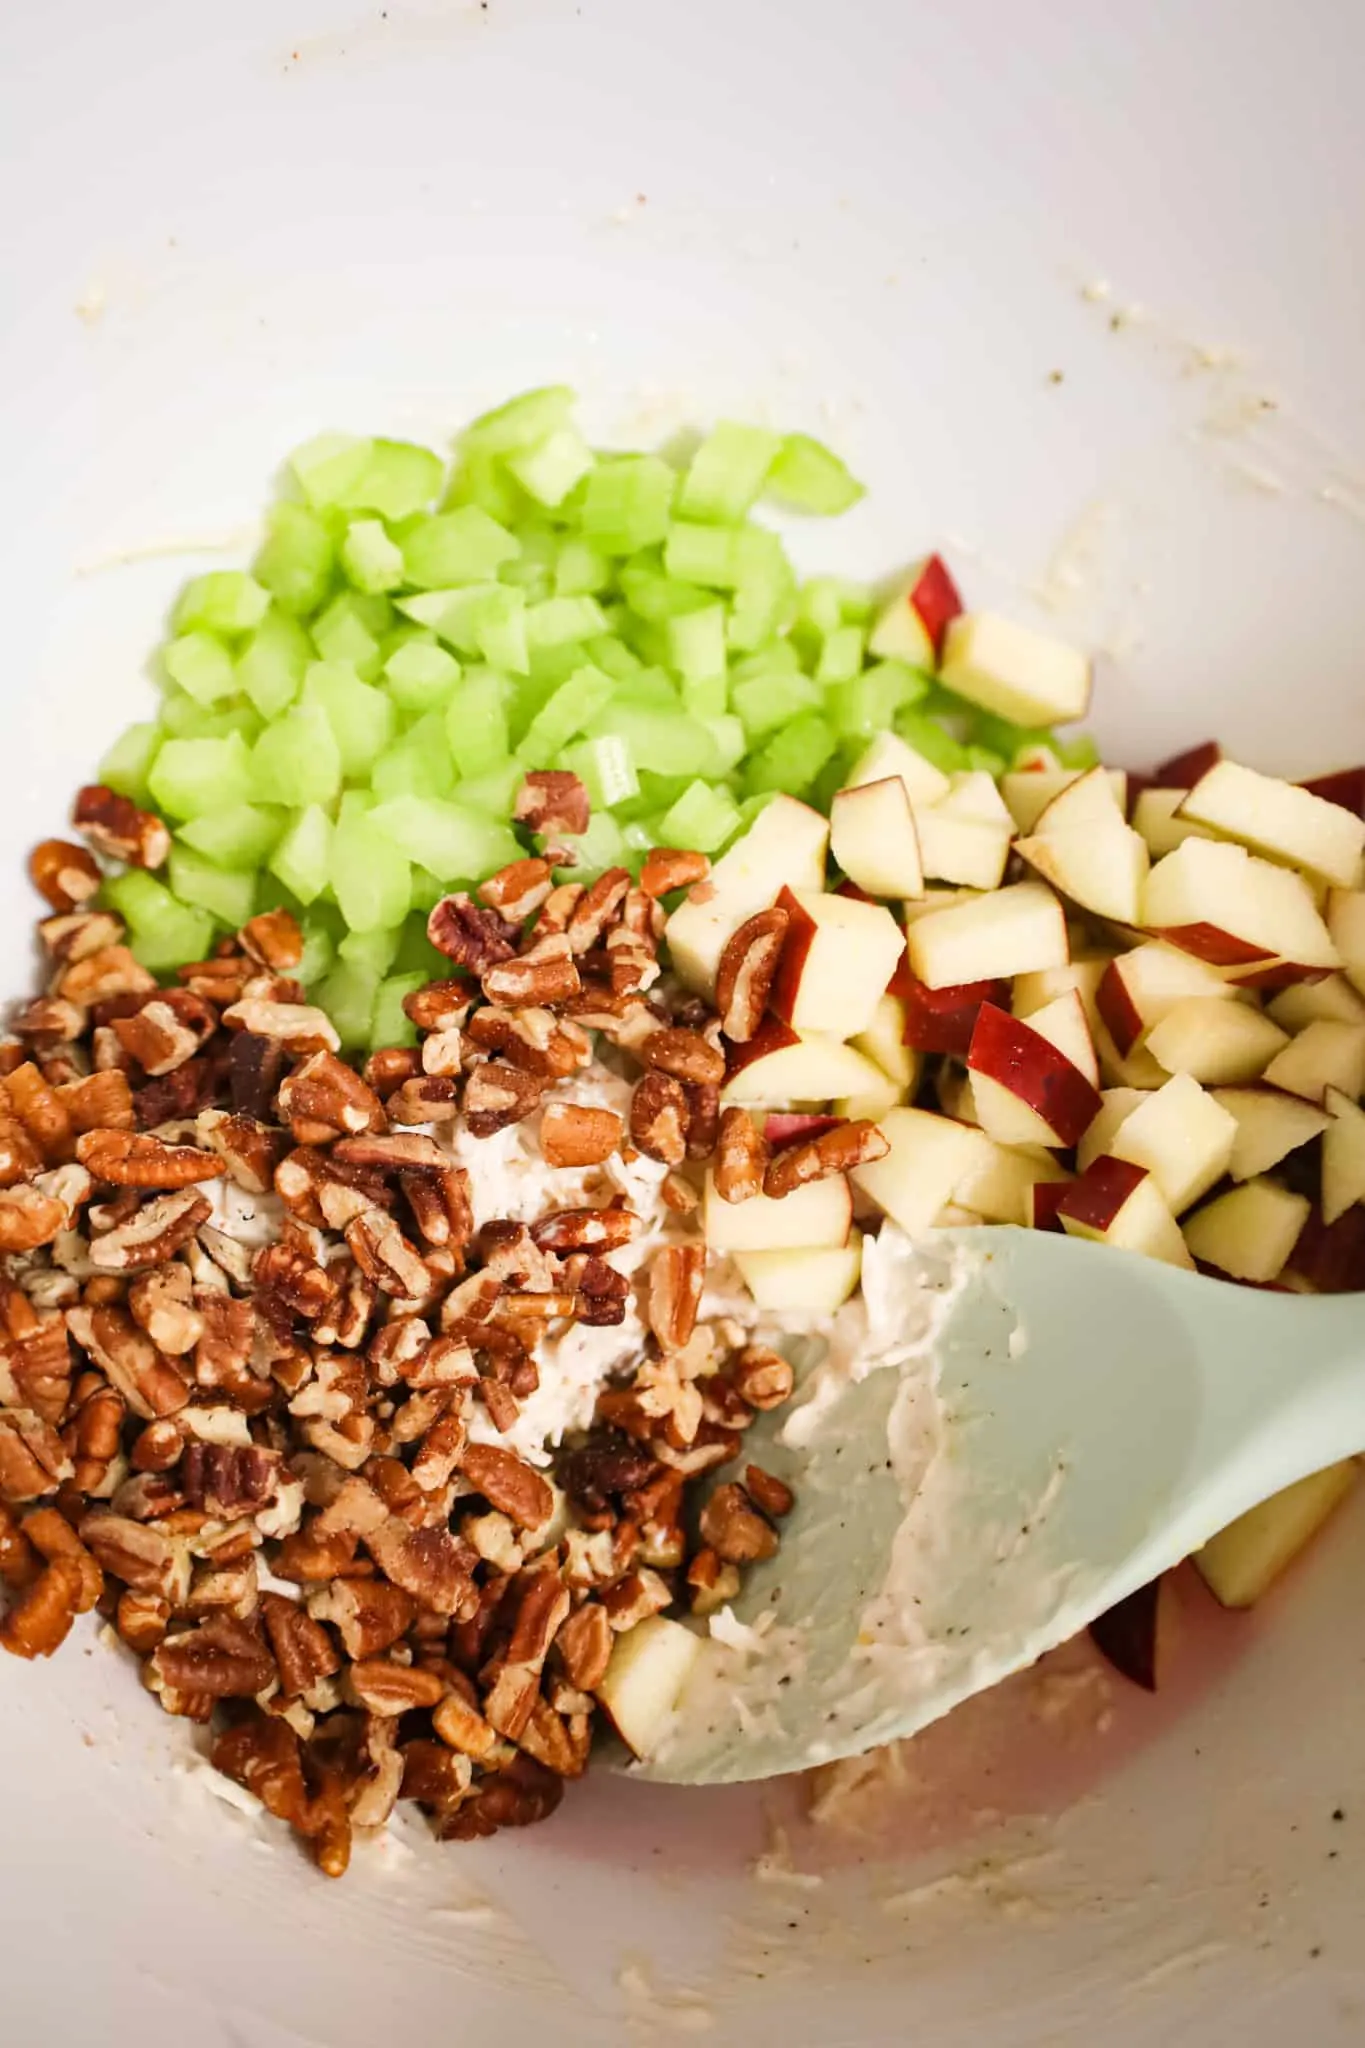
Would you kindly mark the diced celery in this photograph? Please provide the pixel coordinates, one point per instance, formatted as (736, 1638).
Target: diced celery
(987, 760)
(655, 596)
(923, 732)
(652, 686)
(521, 422)
(727, 737)
(371, 560)
(162, 933)
(809, 477)
(532, 572)
(416, 954)
(420, 675)
(626, 503)
(180, 716)
(479, 478)
(427, 891)
(200, 664)
(708, 555)
(372, 950)
(727, 472)
(606, 769)
(464, 546)
(329, 464)
(397, 479)
(319, 952)
(389, 1021)
(237, 836)
(825, 603)
(560, 620)
(476, 722)
(362, 718)
(228, 895)
(1079, 751)
(703, 817)
(548, 471)
(602, 846)
(355, 803)
(581, 570)
(869, 703)
(296, 558)
(500, 624)
(353, 629)
(128, 762)
(270, 666)
(792, 758)
(641, 833)
(493, 792)
(773, 658)
(765, 702)
(418, 764)
(984, 729)
(296, 761)
(369, 875)
(696, 645)
(193, 775)
(666, 742)
(613, 657)
(841, 657)
(223, 601)
(764, 592)
(454, 843)
(565, 714)
(303, 857)
(348, 996)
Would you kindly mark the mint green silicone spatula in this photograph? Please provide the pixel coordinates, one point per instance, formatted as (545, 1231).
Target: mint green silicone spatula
(1102, 1416)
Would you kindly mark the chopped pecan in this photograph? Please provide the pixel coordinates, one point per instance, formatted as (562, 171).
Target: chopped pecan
(53, 1537)
(151, 1384)
(65, 875)
(585, 1230)
(734, 1528)
(441, 1205)
(256, 1066)
(292, 1270)
(554, 1742)
(115, 826)
(226, 1340)
(426, 1099)
(73, 935)
(144, 1558)
(744, 977)
(835, 1151)
(659, 1114)
(676, 1276)
(223, 1658)
(634, 1598)
(551, 800)
(262, 1755)
(533, 1039)
(158, 1448)
(297, 1026)
(307, 1557)
(383, 1686)
(20, 1564)
(430, 1564)
(40, 1619)
(597, 909)
(443, 1054)
(95, 1436)
(518, 889)
(461, 1727)
(583, 1646)
(544, 974)
(129, 1159)
(152, 1234)
(762, 1377)
(572, 1134)
(29, 1218)
(507, 1483)
(383, 1253)
(348, 1318)
(498, 1095)
(303, 1651)
(667, 868)
(166, 1031)
(19, 1156)
(49, 1022)
(101, 1101)
(519, 1796)
(230, 1480)
(468, 934)
(42, 1113)
(703, 1118)
(741, 1157)
(99, 976)
(142, 1620)
(439, 1005)
(600, 1471)
(435, 1776)
(543, 1601)
(249, 1150)
(331, 1099)
(369, 1614)
(33, 1460)
(273, 939)
(178, 1095)
(558, 908)
(768, 1493)
(391, 1152)
(713, 1582)
(386, 1070)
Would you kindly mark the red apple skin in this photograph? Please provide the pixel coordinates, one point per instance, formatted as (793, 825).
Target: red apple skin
(1117, 1009)
(1045, 1199)
(771, 1036)
(934, 596)
(1096, 1198)
(1008, 1050)
(795, 948)
(847, 888)
(1209, 942)
(1346, 787)
(1182, 771)
(792, 1127)
(1331, 1256)
(943, 1019)
(1136, 785)
(1126, 1636)
(1279, 974)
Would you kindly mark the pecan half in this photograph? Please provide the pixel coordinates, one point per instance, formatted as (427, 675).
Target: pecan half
(768, 1492)
(762, 1377)
(273, 939)
(64, 875)
(391, 1152)
(153, 1234)
(684, 1054)
(41, 1618)
(430, 1564)
(659, 1118)
(509, 1484)
(744, 977)
(551, 800)
(297, 1026)
(383, 1686)
(330, 1097)
(115, 826)
(676, 1276)
(667, 868)
(836, 1151)
(518, 889)
(468, 934)
(126, 1159)
(151, 1384)
(498, 1095)
(222, 1658)
(597, 908)
(741, 1157)
(545, 974)
(572, 1134)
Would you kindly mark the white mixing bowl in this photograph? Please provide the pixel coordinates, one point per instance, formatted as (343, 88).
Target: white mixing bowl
(1077, 291)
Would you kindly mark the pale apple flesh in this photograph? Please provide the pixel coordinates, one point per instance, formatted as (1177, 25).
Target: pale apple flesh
(837, 958)
(1243, 1561)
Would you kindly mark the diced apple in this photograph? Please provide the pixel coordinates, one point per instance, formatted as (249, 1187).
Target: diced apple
(1274, 818)
(1017, 930)
(1063, 1023)
(1243, 1561)
(1344, 786)
(1324, 1055)
(1182, 1136)
(943, 1019)
(1221, 1044)
(650, 1665)
(1115, 1202)
(1346, 923)
(888, 754)
(1156, 815)
(1028, 792)
(780, 1066)
(1027, 1090)
(910, 627)
(1116, 1105)
(784, 1127)
(1044, 1199)
(1137, 1068)
(953, 1092)
(871, 1106)
(1084, 973)
(1270, 1125)
(1141, 987)
(937, 896)
(1084, 847)
(1332, 998)
(1329, 1258)
(874, 840)
(1184, 769)
(837, 958)
(928, 1158)
(885, 1042)
(965, 836)
(815, 1215)
(783, 848)
(805, 1281)
(1013, 671)
(1249, 1232)
(1233, 909)
(1343, 1156)
(999, 1188)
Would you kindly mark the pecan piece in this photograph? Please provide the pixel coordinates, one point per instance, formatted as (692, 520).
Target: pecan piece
(438, 1006)
(127, 1159)
(42, 1113)
(769, 1493)
(249, 1150)
(53, 1537)
(41, 1618)
(676, 1275)
(741, 1157)
(33, 1460)
(141, 1557)
(744, 977)
(115, 826)
(667, 868)
(659, 1115)
(106, 975)
(262, 1755)
(425, 1099)
(498, 1095)
(298, 1027)
(273, 939)
(369, 1614)
(572, 1134)
(441, 1205)
(586, 1230)
(29, 1218)
(762, 1377)
(222, 1659)
(520, 1796)
(733, 1527)
(385, 1256)
(533, 1039)
(330, 1097)
(684, 1054)
(382, 1686)
(142, 1620)
(63, 874)
(48, 1022)
(386, 1070)
(74, 934)
(430, 1564)
(151, 1385)
(583, 1646)
(835, 1151)
(19, 1156)
(101, 1101)
(518, 889)
(166, 1031)
(391, 1152)
(468, 934)
(255, 1068)
(597, 909)
(461, 1727)
(153, 1234)
(546, 974)
(303, 1650)
(509, 1484)
(551, 800)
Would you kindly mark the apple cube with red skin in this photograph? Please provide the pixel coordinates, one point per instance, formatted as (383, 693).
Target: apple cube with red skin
(928, 1158)
(779, 1066)
(1221, 1044)
(815, 1215)
(874, 839)
(650, 1665)
(965, 836)
(1026, 1091)
(1235, 910)
(1250, 1232)
(1116, 1104)
(1243, 1561)
(1028, 792)
(1330, 1257)
(1020, 929)
(784, 847)
(911, 626)
(1182, 770)
(888, 754)
(1141, 987)
(1116, 1202)
(1044, 1199)
(1279, 820)
(1182, 1136)
(885, 1039)
(1270, 1125)
(837, 958)
(1331, 1000)
(1017, 673)
(943, 1019)
(1085, 847)
(806, 1281)
(783, 1128)
(1084, 973)
(1001, 1186)
(1345, 786)
(1343, 1156)
(1157, 818)
(1324, 1055)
